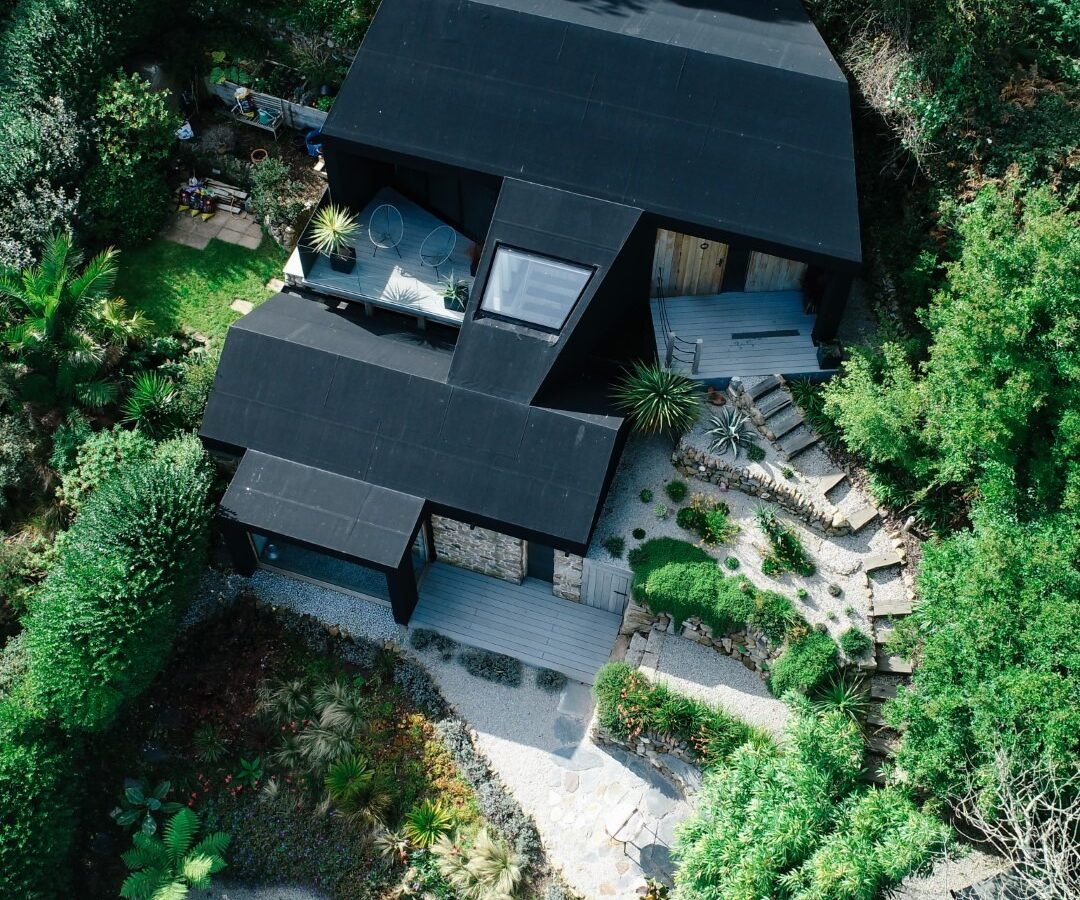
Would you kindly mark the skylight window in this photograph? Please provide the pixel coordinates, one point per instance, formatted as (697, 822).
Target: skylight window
(534, 289)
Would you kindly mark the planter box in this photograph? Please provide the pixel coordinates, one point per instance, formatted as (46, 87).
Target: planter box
(294, 115)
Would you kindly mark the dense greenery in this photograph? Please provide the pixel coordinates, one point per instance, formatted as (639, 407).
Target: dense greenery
(998, 650)
(628, 705)
(107, 612)
(806, 665)
(797, 824)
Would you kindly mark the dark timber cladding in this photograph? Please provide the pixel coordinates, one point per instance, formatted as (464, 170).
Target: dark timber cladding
(731, 115)
(314, 386)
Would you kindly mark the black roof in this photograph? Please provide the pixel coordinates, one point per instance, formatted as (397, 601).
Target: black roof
(729, 114)
(317, 507)
(316, 386)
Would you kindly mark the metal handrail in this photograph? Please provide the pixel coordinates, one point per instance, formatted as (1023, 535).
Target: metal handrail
(677, 347)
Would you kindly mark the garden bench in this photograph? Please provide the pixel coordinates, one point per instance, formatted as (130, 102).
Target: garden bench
(269, 114)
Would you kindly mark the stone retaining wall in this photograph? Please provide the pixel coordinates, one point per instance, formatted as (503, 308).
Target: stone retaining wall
(671, 757)
(567, 580)
(695, 463)
(479, 549)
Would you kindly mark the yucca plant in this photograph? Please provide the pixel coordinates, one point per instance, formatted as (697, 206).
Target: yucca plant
(165, 868)
(392, 846)
(150, 404)
(729, 432)
(286, 702)
(657, 400)
(846, 694)
(358, 791)
(342, 707)
(210, 744)
(426, 821)
(332, 229)
(488, 870)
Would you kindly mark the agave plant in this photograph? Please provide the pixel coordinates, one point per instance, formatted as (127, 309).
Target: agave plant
(332, 230)
(730, 430)
(165, 868)
(426, 822)
(455, 293)
(488, 870)
(657, 400)
(149, 406)
(358, 791)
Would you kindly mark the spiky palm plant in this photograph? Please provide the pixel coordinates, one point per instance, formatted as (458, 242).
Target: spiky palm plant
(165, 868)
(488, 870)
(657, 400)
(342, 707)
(846, 694)
(392, 846)
(332, 229)
(149, 405)
(426, 821)
(65, 325)
(729, 432)
(286, 702)
(358, 791)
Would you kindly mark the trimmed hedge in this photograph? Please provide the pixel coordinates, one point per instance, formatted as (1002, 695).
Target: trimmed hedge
(806, 665)
(107, 612)
(628, 704)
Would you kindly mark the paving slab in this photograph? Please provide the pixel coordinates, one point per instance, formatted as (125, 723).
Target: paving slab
(862, 517)
(881, 561)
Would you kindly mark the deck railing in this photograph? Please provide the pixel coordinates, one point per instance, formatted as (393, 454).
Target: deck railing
(678, 348)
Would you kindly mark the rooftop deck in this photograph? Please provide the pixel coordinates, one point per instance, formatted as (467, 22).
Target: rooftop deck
(760, 333)
(525, 620)
(383, 278)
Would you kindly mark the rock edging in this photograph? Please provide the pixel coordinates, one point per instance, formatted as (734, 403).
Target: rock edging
(665, 754)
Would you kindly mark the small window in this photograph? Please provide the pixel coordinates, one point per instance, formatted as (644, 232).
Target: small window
(535, 289)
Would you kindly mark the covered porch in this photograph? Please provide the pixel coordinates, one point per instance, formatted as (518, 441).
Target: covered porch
(718, 336)
(525, 621)
(394, 278)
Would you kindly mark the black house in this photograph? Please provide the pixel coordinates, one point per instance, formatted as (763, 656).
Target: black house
(601, 181)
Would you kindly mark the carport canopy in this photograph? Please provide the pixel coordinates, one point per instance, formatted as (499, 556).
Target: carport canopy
(322, 509)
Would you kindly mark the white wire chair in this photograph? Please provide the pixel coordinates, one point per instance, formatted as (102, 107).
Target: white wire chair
(437, 247)
(386, 228)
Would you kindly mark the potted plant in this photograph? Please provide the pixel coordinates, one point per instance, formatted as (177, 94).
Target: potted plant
(455, 294)
(332, 231)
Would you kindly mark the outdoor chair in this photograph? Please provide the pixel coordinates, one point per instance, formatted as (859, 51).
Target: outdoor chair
(386, 228)
(437, 247)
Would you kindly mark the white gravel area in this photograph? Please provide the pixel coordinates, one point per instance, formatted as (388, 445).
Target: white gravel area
(719, 680)
(952, 874)
(257, 892)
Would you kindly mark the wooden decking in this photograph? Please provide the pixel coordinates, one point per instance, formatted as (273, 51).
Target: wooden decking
(760, 333)
(382, 278)
(525, 621)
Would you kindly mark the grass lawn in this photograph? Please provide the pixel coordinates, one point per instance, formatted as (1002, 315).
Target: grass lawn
(178, 286)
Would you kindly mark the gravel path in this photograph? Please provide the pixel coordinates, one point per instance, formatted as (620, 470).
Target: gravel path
(701, 672)
(261, 892)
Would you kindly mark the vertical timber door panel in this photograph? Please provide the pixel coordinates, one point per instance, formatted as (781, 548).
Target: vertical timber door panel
(686, 265)
(604, 586)
(773, 273)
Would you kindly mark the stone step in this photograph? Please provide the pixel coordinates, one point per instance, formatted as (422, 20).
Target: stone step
(828, 482)
(882, 631)
(898, 606)
(786, 427)
(892, 665)
(883, 687)
(801, 442)
(873, 714)
(860, 518)
(636, 650)
(763, 387)
(776, 403)
(881, 560)
(875, 769)
(883, 742)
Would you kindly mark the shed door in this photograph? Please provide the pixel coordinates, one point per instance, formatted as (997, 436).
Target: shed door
(540, 561)
(604, 586)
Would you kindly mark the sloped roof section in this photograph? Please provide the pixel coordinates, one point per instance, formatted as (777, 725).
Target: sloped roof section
(311, 386)
(730, 114)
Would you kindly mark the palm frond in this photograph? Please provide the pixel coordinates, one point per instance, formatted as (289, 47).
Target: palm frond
(96, 394)
(180, 832)
(58, 258)
(142, 885)
(213, 845)
(196, 868)
(97, 279)
(173, 890)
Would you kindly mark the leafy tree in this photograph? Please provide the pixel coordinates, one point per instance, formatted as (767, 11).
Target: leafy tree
(63, 323)
(99, 458)
(166, 868)
(795, 822)
(126, 197)
(108, 610)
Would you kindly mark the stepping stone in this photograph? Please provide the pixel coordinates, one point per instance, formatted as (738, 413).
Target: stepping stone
(242, 306)
(873, 714)
(275, 284)
(883, 742)
(861, 517)
(899, 606)
(881, 561)
(780, 430)
(763, 387)
(828, 482)
(883, 688)
(802, 442)
(775, 405)
(892, 665)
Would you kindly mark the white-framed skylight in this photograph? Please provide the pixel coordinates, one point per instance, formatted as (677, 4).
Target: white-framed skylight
(534, 289)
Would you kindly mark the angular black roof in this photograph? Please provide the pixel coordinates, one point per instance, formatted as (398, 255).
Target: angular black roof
(729, 114)
(316, 386)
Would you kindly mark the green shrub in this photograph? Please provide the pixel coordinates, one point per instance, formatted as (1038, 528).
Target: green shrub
(732, 563)
(639, 534)
(805, 665)
(615, 544)
(787, 553)
(646, 495)
(676, 490)
(755, 452)
(628, 705)
(773, 614)
(708, 518)
(107, 612)
(796, 822)
(491, 666)
(193, 390)
(659, 552)
(72, 433)
(275, 196)
(16, 455)
(856, 643)
(550, 681)
(98, 459)
(40, 790)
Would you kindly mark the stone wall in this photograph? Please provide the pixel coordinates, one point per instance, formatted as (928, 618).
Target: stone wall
(671, 757)
(695, 463)
(479, 549)
(567, 580)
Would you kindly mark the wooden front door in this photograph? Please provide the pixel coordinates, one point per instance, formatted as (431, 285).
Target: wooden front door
(684, 265)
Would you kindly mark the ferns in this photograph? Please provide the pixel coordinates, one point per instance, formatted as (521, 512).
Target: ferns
(164, 868)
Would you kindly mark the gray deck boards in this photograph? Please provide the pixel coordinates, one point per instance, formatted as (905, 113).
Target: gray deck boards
(525, 621)
(384, 279)
(714, 319)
